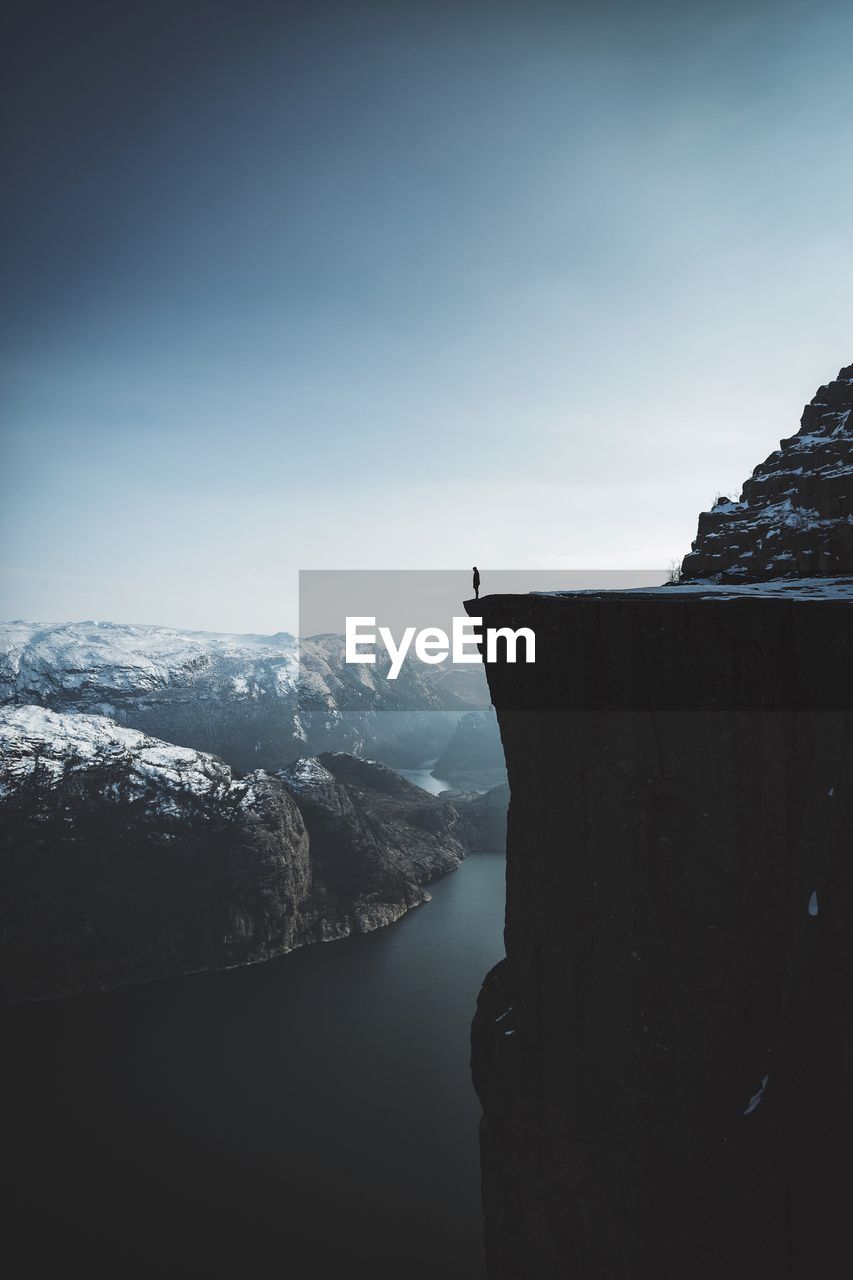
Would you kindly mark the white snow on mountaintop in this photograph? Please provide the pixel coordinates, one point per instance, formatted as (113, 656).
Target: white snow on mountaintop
(58, 744)
(122, 658)
(101, 666)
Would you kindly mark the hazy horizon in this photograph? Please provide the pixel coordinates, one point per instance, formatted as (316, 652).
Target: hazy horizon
(296, 286)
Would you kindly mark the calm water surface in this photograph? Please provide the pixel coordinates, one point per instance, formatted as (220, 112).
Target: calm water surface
(423, 778)
(309, 1118)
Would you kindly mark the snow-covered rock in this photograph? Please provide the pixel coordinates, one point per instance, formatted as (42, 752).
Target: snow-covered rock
(123, 857)
(36, 743)
(794, 518)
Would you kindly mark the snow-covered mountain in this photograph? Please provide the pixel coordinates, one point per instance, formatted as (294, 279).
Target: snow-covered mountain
(254, 700)
(123, 857)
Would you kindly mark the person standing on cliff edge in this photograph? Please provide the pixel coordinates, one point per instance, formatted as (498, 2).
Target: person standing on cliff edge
(476, 583)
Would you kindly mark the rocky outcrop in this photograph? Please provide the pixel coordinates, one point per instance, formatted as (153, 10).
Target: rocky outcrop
(124, 858)
(663, 1058)
(256, 701)
(474, 756)
(795, 515)
(376, 839)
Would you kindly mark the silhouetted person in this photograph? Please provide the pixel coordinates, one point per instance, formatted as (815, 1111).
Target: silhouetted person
(476, 583)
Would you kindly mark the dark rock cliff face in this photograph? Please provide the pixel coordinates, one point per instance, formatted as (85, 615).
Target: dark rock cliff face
(124, 858)
(664, 1058)
(795, 515)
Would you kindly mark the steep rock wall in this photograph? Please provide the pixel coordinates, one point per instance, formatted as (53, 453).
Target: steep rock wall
(664, 1057)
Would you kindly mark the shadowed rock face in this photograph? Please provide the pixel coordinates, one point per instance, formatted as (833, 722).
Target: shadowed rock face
(376, 839)
(664, 1057)
(124, 858)
(795, 515)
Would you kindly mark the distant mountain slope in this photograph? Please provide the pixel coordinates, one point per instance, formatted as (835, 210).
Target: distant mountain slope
(124, 858)
(376, 839)
(254, 700)
(474, 756)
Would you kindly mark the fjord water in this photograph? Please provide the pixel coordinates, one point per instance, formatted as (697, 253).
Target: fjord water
(423, 778)
(308, 1118)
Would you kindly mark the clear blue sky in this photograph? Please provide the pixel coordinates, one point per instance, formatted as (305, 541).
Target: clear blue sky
(403, 285)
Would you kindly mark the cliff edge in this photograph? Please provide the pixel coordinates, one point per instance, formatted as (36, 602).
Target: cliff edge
(664, 1057)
